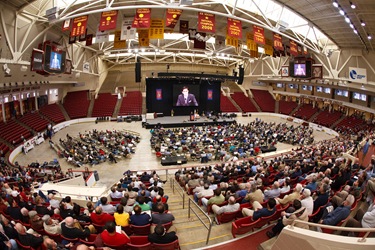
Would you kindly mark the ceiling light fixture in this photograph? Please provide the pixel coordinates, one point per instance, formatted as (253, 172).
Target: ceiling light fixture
(335, 3)
(363, 23)
(355, 31)
(347, 19)
(369, 37)
(342, 12)
(351, 25)
(352, 5)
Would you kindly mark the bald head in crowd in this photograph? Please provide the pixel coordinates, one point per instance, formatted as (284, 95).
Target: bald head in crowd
(232, 200)
(20, 229)
(69, 222)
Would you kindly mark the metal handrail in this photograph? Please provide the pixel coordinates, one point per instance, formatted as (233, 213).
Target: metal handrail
(199, 218)
(180, 190)
(338, 228)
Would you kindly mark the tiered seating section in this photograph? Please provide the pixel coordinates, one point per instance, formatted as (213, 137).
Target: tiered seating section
(104, 105)
(34, 121)
(264, 100)
(52, 112)
(131, 104)
(4, 148)
(244, 102)
(353, 123)
(326, 118)
(12, 131)
(226, 105)
(286, 107)
(305, 112)
(77, 104)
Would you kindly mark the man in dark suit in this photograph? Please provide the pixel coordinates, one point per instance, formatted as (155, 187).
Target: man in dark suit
(186, 99)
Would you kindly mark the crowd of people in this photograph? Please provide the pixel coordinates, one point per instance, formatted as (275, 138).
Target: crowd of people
(314, 177)
(29, 218)
(228, 142)
(314, 180)
(94, 147)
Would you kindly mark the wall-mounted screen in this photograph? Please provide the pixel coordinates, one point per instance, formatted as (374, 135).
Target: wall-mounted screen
(185, 95)
(54, 58)
(340, 92)
(327, 90)
(279, 85)
(299, 69)
(359, 96)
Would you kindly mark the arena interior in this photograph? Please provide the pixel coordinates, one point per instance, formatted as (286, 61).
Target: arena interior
(187, 124)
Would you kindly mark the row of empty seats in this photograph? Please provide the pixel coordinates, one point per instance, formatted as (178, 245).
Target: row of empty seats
(306, 111)
(244, 102)
(77, 104)
(286, 107)
(34, 121)
(326, 118)
(11, 132)
(104, 105)
(52, 112)
(226, 105)
(352, 122)
(264, 99)
(131, 104)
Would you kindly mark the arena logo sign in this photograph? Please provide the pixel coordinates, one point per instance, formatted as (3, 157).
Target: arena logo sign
(358, 75)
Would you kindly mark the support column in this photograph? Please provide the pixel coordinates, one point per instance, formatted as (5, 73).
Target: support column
(36, 100)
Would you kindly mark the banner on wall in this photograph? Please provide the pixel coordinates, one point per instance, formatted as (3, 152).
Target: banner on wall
(293, 48)
(156, 30)
(108, 20)
(159, 94)
(171, 18)
(184, 27)
(79, 26)
(206, 22)
(143, 38)
(209, 94)
(234, 28)
(66, 25)
(259, 34)
(101, 36)
(278, 41)
(118, 43)
(358, 75)
(127, 32)
(142, 19)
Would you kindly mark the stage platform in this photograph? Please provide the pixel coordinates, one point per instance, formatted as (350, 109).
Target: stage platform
(184, 121)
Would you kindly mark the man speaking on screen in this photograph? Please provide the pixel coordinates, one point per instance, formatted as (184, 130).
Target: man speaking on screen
(55, 64)
(186, 99)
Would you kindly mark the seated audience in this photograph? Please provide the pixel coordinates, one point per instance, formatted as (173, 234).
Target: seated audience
(71, 229)
(50, 225)
(218, 198)
(113, 238)
(162, 236)
(288, 218)
(258, 211)
(139, 218)
(27, 239)
(334, 216)
(121, 217)
(161, 217)
(107, 208)
(99, 217)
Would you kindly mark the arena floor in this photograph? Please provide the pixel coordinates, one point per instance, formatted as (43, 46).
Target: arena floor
(143, 159)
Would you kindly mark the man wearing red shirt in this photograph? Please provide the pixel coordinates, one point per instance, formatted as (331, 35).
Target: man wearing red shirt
(101, 218)
(113, 238)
